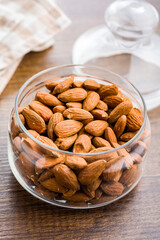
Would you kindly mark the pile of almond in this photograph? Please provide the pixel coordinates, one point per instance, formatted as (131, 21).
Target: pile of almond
(79, 117)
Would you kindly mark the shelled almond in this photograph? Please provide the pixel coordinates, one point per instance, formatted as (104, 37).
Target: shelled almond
(90, 121)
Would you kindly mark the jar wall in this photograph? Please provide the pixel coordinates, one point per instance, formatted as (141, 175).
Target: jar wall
(114, 173)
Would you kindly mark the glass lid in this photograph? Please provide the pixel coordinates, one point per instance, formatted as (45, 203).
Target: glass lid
(127, 44)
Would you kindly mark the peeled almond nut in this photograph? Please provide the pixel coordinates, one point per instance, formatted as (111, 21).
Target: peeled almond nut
(52, 185)
(121, 109)
(73, 95)
(77, 114)
(47, 99)
(91, 84)
(66, 143)
(110, 135)
(99, 114)
(64, 85)
(67, 128)
(41, 109)
(91, 172)
(113, 189)
(96, 128)
(82, 144)
(60, 109)
(91, 101)
(66, 177)
(75, 162)
(34, 121)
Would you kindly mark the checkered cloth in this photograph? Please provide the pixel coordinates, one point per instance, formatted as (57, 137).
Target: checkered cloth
(26, 25)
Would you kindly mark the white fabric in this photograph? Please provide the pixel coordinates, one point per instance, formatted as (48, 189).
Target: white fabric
(28, 25)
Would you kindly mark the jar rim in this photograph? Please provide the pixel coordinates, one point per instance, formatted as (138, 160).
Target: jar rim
(68, 152)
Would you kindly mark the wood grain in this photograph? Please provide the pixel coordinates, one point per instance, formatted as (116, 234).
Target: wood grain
(135, 217)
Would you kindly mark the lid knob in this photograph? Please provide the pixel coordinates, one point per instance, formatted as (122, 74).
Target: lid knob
(131, 19)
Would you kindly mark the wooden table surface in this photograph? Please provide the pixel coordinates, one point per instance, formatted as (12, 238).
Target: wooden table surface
(135, 217)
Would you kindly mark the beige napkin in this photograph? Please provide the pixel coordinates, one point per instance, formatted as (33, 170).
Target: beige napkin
(26, 25)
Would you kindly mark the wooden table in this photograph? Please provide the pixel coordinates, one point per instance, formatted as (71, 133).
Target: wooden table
(135, 217)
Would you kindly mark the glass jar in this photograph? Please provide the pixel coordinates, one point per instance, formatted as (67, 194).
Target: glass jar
(122, 166)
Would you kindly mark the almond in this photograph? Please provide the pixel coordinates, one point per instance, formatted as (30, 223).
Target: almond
(99, 114)
(77, 84)
(73, 95)
(66, 143)
(52, 185)
(82, 144)
(90, 84)
(47, 99)
(60, 109)
(64, 85)
(127, 136)
(91, 172)
(14, 126)
(67, 128)
(102, 105)
(74, 105)
(113, 170)
(42, 110)
(47, 141)
(48, 162)
(129, 176)
(134, 120)
(56, 118)
(45, 175)
(91, 101)
(140, 148)
(108, 90)
(34, 121)
(92, 147)
(69, 193)
(113, 101)
(98, 194)
(107, 156)
(31, 148)
(78, 197)
(20, 109)
(126, 158)
(120, 125)
(17, 144)
(121, 109)
(120, 94)
(33, 133)
(51, 85)
(91, 194)
(93, 186)
(100, 142)
(66, 177)
(113, 189)
(77, 114)
(96, 128)
(50, 143)
(125, 98)
(22, 118)
(41, 191)
(136, 158)
(75, 162)
(121, 142)
(122, 151)
(110, 135)
(26, 165)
